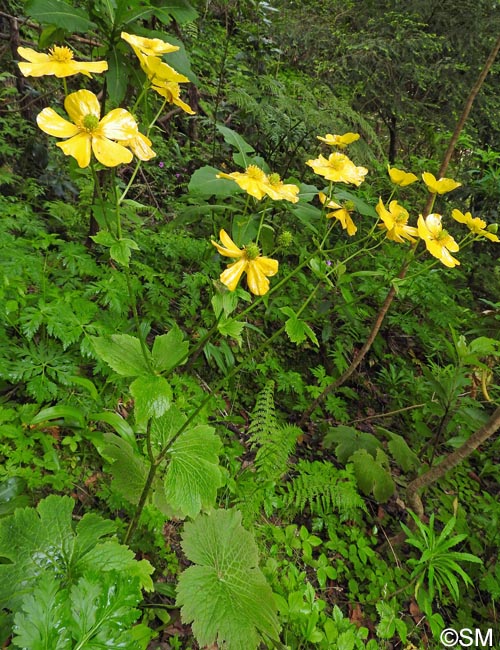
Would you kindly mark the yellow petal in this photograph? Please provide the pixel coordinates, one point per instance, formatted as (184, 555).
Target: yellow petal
(85, 67)
(79, 147)
(170, 90)
(158, 71)
(231, 276)
(80, 104)
(110, 153)
(441, 186)
(140, 146)
(267, 265)
(400, 177)
(53, 124)
(32, 55)
(118, 124)
(149, 46)
(229, 248)
(256, 279)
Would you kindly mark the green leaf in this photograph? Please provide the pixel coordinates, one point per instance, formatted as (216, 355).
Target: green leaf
(225, 595)
(12, 495)
(152, 395)
(129, 469)
(122, 250)
(169, 350)
(403, 455)
(232, 328)
(121, 426)
(348, 441)
(193, 475)
(45, 619)
(104, 238)
(235, 140)
(372, 476)
(204, 184)
(298, 330)
(42, 541)
(59, 13)
(72, 415)
(180, 10)
(122, 353)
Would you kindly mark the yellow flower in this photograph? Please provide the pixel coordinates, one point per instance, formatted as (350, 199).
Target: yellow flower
(340, 141)
(338, 168)
(248, 260)
(340, 213)
(87, 132)
(278, 191)
(149, 46)
(399, 177)
(253, 180)
(437, 240)
(474, 224)
(171, 91)
(395, 220)
(440, 186)
(158, 71)
(59, 62)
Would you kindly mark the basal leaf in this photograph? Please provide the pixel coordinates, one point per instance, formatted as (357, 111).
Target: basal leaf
(225, 595)
(169, 350)
(152, 395)
(129, 468)
(122, 353)
(45, 617)
(59, 13)
(193, 475)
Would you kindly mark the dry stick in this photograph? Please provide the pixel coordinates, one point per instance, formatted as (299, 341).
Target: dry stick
(392, 292)
(450, 461)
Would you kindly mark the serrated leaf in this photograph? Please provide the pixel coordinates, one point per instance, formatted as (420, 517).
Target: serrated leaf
(44, 619)
(122, 353)
(152, 395)
(169, 350)
(113, 556)
(225, 595)
(12, 495)
(121, 251)
(104, 238)
(232, 328)
(59, 13)
(42, 541)
(297, 329)
(348, 441)
(403, 455)
(129, 469)
(193, 475)
(372, 476)
(204, 183)
(165, 427)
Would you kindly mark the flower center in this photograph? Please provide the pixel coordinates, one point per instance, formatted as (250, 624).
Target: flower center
(255, 172)
(90, 122)
(61, 54)
(274, 179)
(252, 251)
(349, 206)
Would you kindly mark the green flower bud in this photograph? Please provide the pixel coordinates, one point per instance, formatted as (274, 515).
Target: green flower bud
(493, 227)
(349, 206)
(285, 239)
(252, 251)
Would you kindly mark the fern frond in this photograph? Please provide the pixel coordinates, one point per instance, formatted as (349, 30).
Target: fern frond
(324, 489)
(263, 424)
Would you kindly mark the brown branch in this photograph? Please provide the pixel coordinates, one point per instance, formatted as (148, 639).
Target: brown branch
(451, 460)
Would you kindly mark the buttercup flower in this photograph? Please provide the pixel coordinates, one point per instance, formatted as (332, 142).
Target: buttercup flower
(338, 168)
(59, 62)
(400, 177)
(248, 260)
(395, 220)
(437, 240)
(148, 46)
(171, 92)
(340, 213)
(253, 180)
(87, 132)
(340, 141)
(441, 186)
(474, 224)
(279, 191)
